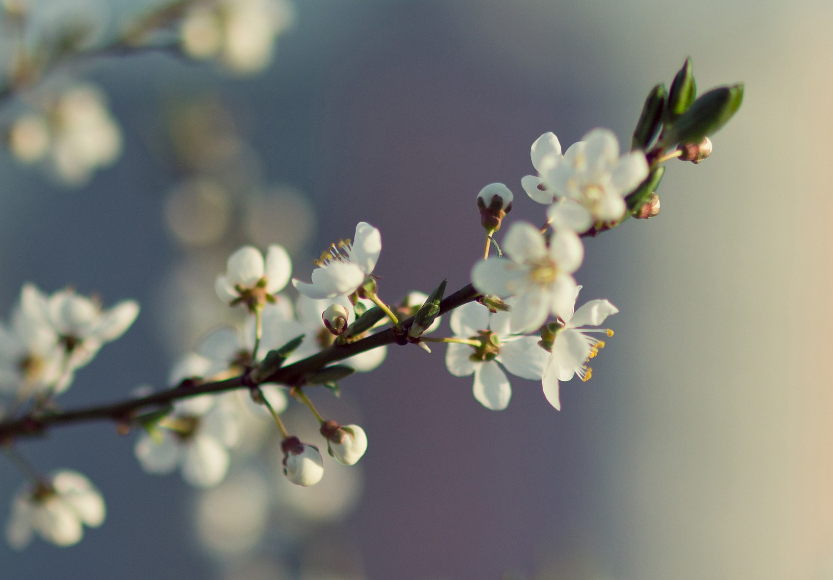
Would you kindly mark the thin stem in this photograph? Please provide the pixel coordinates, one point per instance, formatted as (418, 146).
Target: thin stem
(454, 340)
(299, 394)
(258, 333)
(37, 422)
(488, 246)
(667, 157)
(24, 466)
(546, 225)
(275, 416)
(378, 302)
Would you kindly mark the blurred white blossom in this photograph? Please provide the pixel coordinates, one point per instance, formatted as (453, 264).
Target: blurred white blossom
(251, 280)
(239, 33)
(56, 510)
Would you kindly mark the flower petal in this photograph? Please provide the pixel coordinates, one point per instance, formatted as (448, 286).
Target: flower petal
(498, 276)
(630, 171)
(524, 358)
(491, 387)
(547, 145)
(117, 320)
(367, 361)
(550, 385)
(367, 245)
(19, 527)
(157, 457)
(524, 242)
(530, 310)
(592, 313)
(469, 319)
(245, 267)
(458, 360)
(602, 150)
(567, 250)
(570, 350)
(563, 296)
(530, 184)
(206, 462)
(225, 292)
(278, 268)
(570, 215)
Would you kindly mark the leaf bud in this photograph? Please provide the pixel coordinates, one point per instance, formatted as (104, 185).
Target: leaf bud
(707, 115)
(335, 319)
(302, 463)
(649, 209)
(696, 153)
(650, 120)
(494, 201)
(682, 93)
(345, 444)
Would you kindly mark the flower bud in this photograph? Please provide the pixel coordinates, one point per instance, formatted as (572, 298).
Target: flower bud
(302, 463)
(494, 201)
(335, 319)
(346, 444)
(696, 153)
(649, 209)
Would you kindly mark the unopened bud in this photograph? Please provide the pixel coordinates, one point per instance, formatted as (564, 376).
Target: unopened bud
(493, 303)
(649, 209)
(346, 444)
(302, 463)
(494, 201)
(696, 153)
(335, 319)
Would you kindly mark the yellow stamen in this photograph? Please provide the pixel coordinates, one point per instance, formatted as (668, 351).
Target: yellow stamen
(609, 332)
(587, 375)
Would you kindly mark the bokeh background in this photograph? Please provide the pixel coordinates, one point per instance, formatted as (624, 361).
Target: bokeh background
(701, 448)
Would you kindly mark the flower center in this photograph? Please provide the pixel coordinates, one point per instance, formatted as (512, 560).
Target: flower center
(339, 252)
(31, 367)
(543, 272)
(592, 196)
(489, 346)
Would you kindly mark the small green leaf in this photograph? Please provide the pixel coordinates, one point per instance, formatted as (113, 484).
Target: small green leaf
(709, 113)
(650, 120)
(150, 418)
(274, 359)
(682, 93)
(428, 312)
(364, 323)
(329, 375)
(643, 193)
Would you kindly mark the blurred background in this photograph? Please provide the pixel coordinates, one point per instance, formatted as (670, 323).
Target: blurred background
(701, 448)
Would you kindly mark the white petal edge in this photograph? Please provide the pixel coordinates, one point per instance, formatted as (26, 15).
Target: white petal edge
(491, 387)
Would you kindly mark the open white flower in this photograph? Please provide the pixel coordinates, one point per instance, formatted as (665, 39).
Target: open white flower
(251, 280)
(345, 266)
(573, 346)
(196, 437)
(55, 510)
(81, 325)
(520, 355)
(540, 277)
(591, 180)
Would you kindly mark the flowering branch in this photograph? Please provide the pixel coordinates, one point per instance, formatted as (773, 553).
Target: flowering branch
(122, 412)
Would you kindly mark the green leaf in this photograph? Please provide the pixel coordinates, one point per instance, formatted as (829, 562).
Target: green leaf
(364, 323)
(709, 113)
(329, 375)
(274, 359)
(682, 93)
(650, 120)
(428, 312)
(643, 193)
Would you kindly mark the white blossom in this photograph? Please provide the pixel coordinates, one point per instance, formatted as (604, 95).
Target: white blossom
(539, 277)
(302, 462)
(80, 325)
(56, 510)
(74, 135)
(239, 33)
(590, 181)
(573, 346)
(545, 152)
(345, 266)
(347, 444)
(520, 355)
(251, 280)
(196, 437)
